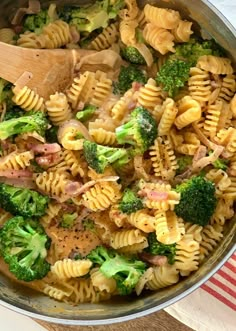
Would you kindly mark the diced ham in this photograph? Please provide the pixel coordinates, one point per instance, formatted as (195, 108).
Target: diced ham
(15, 173)
(157, 260)
(46, 148)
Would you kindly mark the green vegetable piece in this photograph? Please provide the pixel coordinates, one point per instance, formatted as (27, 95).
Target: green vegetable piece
(68, 220)
(183, 163)
(125, 270)
(132, 55)
(86, 113)
(157, 248)
(173, 75)
(130, 203)
(24, 246)
(23, 202)
(140, 131)
(99, 157)
(127, 76)
(32, 121)
(197, 200)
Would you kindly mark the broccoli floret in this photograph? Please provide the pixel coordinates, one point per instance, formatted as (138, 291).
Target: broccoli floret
(22, 201)
(86, 113)
(13, 112)
(183, 163)
(125, 270)
(173, 75)
(157, 248)
(220, 163)
(127, 76)
(89, 225)
(32, 121)
(36, 22)
(68, 220)
(140, 131)
(132, 55)
(92, 17)
(195, 48)
(197, 200)
(130, 203)
(51, 134)
(99, 157)
(24, 245)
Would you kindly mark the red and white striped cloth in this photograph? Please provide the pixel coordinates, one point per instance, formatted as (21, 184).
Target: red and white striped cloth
(213, 306)
(223, 284)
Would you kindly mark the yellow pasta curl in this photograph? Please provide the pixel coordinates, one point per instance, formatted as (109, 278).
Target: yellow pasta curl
(195, 230)
(169, 228)
(190, 110)
(102, 91)
(160, 39)
(224, 211)
(101, 282)
(213, 118)
(187, 255)
(68, 268)
(228, 88)
(131, 10)
(74, 162)
(150, 95)
(58, 108)
(101, 196)
(16, 161)
(142, 221)
(199, 85)
(51, 213)
(52, 184)
(169, 114)
(211, 235)
(162, 17)
(27, 99)
(124, 238)
(127, 32)
(106, 38)
(103, 137)
(182, 31)
(163, 276)
(163, 159)
(215, 64)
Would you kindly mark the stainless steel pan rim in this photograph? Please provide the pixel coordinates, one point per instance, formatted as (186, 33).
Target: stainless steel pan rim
(129, 316)
(126, 317)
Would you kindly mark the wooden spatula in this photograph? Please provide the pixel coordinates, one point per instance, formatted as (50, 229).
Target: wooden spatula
(43, 70)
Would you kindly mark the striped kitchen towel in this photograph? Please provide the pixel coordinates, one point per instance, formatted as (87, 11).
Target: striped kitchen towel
(213, 306)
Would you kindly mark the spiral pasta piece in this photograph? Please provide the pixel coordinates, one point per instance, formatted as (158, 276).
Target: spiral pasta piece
(58, 108)
(103, 137)
(68, 268)
(163, 158)
(190, 110)
(142, 221)
(130, 11)
(82, 89)
(213, 118)
(27, 99)
(199, 85)
(187, 255)
(51, 213)
(102, 91)
(160, 39)
(224, 211)
(57, 292)
(182, 31)
(106, 38)
(70, 137)
(31, 40)
(7, 36)
(150, 95)
(101, 282)
(228, 88)
(101, 196)
(195, 230)
(163, 276)
(169, 228)
(124, 238)
(134, 248)
(73, 160)
(211, 235)
(221, 180)
(169, 114)
(16, 161)
(215, 64)
(121, 107)
(167, 198)
(52, 184)
(162, 17)
(127, 32)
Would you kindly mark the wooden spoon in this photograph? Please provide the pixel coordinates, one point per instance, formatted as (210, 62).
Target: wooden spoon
(43, 70)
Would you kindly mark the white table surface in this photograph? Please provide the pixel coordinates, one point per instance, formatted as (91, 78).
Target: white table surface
(10, 320)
